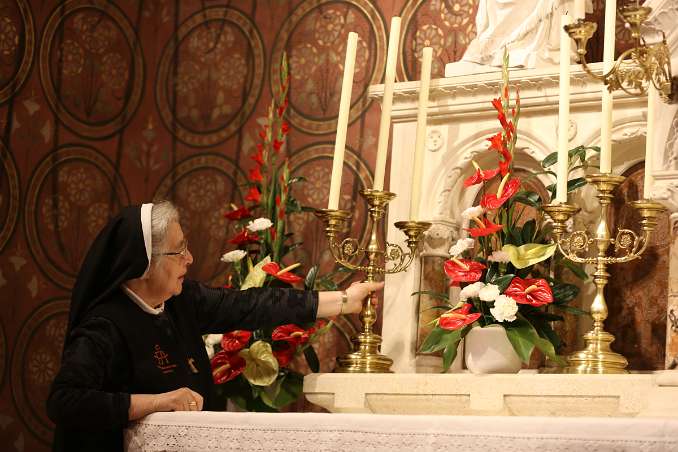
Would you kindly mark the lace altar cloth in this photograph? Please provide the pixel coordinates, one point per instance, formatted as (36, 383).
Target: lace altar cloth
(211, 431)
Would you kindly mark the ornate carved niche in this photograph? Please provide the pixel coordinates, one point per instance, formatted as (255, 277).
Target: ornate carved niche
(637, 293)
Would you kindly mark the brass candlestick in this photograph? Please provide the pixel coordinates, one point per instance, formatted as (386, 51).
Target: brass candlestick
(350, 254)
(637, 67)
(597, 357)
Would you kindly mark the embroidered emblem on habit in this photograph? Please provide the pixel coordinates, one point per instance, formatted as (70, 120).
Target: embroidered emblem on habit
(191, 364)
(162, 360)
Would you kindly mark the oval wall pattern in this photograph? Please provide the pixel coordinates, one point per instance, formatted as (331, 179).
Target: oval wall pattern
(71, 195)
(35, 362)
(446, 25)
(314, 163)
(9, 196)
(3, 354)
(207, 86)
(199, 187)
(91, 67)
(315, 37)
(17, 32)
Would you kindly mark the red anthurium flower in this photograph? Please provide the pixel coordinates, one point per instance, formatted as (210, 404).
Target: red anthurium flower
(458, 318)
(290, 333)
(284, 354)
(463, 270)
(235, 340)
(273, 269)
(535, 292)
(226, 366)
(480, 176)
(253, 195)
(255, 174)
(492, 201)
(238, 213)
(487, 228)
(244, 237)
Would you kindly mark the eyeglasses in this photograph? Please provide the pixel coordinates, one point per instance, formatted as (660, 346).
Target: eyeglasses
(183, 252)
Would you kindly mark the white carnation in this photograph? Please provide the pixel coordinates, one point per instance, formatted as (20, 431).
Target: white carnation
(259, 224)
(233, 256)
(499, 256)
(505, 309)
(213, 339)
(461, 246)
(471, 290)
(472, 212)
(489, 293)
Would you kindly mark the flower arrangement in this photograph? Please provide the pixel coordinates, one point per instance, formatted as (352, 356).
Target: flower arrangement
(507, 268)
(252, 367)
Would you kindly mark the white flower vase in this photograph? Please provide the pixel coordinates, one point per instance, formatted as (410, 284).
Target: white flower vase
(489, 351)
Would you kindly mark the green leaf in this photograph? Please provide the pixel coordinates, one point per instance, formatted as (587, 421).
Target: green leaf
(311, 276)
(564, 292)
(528, 198)
(529, 254)
(503, 281)
(442, 307)
(575, 268)
(528, 230)
(256, 276)
(549, 160)
(575, 183)
(449, 354)
(312, 359)
(571, 309)
(520, 335)
(432, 341)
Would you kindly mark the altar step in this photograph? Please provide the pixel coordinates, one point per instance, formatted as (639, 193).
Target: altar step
(652, 394)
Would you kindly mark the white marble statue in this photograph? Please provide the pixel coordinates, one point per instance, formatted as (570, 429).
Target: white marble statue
(529, 29)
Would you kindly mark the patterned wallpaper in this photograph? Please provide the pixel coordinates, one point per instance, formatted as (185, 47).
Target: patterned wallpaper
(106, 103)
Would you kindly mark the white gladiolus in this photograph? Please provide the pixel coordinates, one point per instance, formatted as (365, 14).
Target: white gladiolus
(461, 246)
(233, 256)
(471, 290)
(259, 224)
(489, 293)
(472, 212)
(499, 256)
(505, 309)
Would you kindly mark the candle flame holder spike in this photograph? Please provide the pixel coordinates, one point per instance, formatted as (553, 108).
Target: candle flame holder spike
(637, 67)
(382, 258)
(597, 357)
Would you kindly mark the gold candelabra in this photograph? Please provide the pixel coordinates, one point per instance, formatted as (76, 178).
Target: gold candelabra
(637, 67)
(597, 357)
(348, 253)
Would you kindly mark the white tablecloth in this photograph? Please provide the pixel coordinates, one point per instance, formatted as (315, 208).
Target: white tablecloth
(211, 431)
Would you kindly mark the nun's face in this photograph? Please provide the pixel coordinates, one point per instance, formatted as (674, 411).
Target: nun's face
(169, 274)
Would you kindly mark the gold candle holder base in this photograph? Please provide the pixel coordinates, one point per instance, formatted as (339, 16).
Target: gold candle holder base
(365, 357)
(597, 357)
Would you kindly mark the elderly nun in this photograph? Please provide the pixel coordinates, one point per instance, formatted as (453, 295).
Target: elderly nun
(134, 339)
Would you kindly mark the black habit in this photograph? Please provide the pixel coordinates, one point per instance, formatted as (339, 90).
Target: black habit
(113, 348)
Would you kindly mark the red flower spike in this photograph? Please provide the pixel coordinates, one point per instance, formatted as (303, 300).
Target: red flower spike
(235, 340)
(273, 269)
(458, 318)
(463, 270)
(277, 200)
(277, 144)
(226, 366)
(535, 292)
(480, 176)
(238, 214)
(244, 237)
(291, 334)
(258, 158)
(491, 201)
(284, 128)
(488, 228)
(253, 195)
(255, 174)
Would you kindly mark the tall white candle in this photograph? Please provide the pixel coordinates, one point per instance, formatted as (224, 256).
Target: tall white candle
(385, 123)
(420, 138)
(579, 9)
(342, 122)
(652, 99)
(607, 97)
(563, 112)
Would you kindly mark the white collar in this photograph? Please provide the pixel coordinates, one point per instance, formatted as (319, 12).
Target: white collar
(141, 303)
(146, 210)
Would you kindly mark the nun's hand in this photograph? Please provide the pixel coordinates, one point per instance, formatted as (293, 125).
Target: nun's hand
(182, 399)
(358, 292)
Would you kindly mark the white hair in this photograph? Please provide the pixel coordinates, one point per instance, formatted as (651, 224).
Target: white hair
(163, 214)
